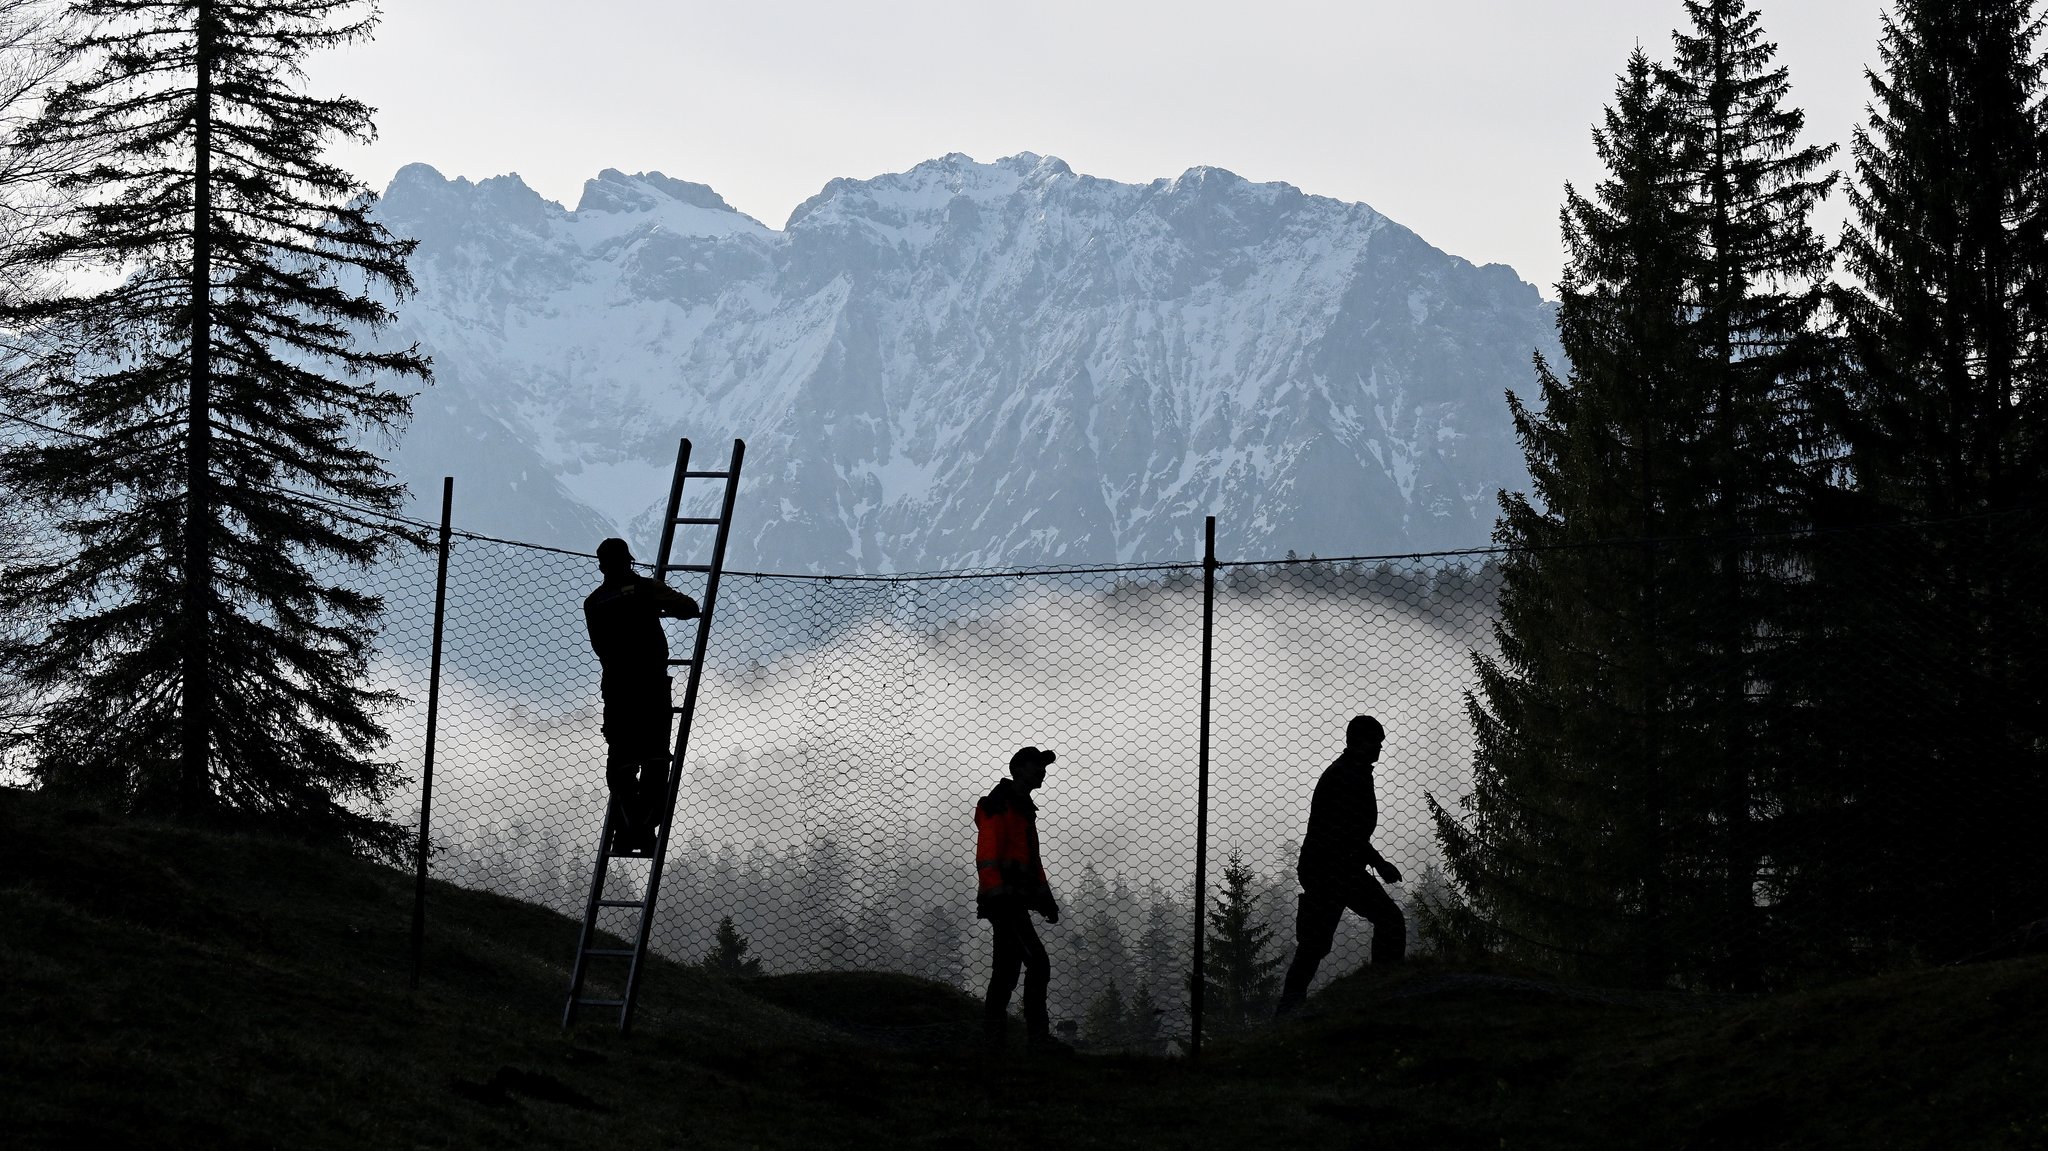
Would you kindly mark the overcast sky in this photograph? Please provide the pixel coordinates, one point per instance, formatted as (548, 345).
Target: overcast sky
(1459, 118)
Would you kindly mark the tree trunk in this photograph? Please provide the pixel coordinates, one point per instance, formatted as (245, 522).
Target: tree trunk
(198, 542)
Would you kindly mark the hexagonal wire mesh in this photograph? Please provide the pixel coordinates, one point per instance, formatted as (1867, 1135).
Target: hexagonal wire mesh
(847, 725)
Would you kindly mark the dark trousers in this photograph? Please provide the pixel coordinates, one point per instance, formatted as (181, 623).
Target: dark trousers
(1322, 903)
(1017, 949)
(636, 735)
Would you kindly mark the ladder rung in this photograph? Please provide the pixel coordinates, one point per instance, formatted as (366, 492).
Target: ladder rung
(600, 1003)
(708, 475)
(696, 520)
(681, 662)
(609, 952)
(686, 568)
(622, 903)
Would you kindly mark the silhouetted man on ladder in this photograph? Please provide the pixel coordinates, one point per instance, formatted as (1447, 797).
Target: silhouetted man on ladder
(1335, 855)
(624, 617)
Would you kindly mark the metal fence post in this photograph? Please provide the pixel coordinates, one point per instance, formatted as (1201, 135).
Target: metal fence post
(419, 895)
(1197, 979)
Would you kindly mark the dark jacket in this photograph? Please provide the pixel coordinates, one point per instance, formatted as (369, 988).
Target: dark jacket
(1341, 819)
(624, 617)
(1008, 871)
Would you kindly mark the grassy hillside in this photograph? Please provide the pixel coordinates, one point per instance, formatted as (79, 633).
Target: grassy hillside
(167, 987)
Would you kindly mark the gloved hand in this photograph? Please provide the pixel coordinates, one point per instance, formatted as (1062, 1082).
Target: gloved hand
(1388, 871)
(1051, 911)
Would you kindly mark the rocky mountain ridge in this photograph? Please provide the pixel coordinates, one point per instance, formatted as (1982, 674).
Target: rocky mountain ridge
(965, 364)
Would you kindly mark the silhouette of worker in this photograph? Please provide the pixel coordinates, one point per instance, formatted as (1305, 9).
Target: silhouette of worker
(1011, 884)
(624, 618)
(1335, 855)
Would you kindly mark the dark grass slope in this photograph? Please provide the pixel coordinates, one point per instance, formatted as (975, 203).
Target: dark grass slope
(167, 987)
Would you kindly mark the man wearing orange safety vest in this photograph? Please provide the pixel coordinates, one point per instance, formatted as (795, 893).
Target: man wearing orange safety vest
(1011, 885)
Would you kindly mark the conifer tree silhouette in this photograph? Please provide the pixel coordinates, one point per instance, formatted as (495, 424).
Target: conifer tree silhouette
(1937, 736)
(1142, 1021)
(200, 651)
(1242, 979)
(728, 953)
(1639, 729)
(1754, 298)
(1565, 852)
(1106, 1022)
(936, 950)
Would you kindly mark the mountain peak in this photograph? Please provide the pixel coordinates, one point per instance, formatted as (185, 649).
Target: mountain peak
(422, 199)
(614, 200)
(417, 175)
(615, 191)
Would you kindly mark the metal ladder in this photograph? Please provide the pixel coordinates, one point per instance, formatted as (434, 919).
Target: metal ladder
(636, 955)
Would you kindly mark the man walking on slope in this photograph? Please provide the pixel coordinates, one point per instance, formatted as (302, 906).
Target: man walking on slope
(1011, 884)
(1335, 854)
(624, 617)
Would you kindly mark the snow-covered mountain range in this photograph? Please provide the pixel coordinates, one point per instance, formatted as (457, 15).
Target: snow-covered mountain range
(965, 364)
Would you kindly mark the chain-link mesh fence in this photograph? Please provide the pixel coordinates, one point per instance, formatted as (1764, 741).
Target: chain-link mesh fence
(846, 726)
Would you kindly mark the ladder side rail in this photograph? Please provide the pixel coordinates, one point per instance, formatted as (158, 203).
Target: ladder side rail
(675, 504)
(703, 645)
(590, 913)
(682, 736)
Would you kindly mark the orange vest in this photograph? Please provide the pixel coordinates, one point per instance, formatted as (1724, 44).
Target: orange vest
(1006, 862)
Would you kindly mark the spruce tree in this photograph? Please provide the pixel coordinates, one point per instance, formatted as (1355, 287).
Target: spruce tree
(728, 953)
(1242, 980)
(1645, 716)
(1106, 1024)
(1947, 242)
(878, 947)
(1572, 853)
(1939, 734)
(1141, 1021)
(1163, 943)
(935, 952)
(826, 891)
(203, 649)
(1096, 955)
(1755, 298)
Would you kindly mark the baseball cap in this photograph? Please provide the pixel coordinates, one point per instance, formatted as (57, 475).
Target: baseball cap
(1030, 757)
